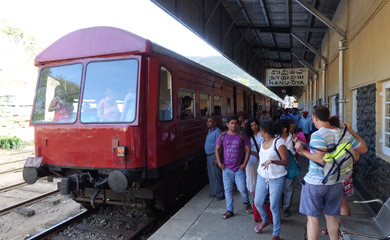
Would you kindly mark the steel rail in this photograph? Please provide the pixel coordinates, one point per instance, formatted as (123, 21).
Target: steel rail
(60, 226)
(13, 186)
(7, 209)
(28, 151)
(12, 170)
(21, 160)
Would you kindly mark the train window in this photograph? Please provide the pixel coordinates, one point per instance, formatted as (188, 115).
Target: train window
(205, 105)
(57, 95)
(229, 105)
(217, 105)
(110, 92)
(165, 100)
(186, 104)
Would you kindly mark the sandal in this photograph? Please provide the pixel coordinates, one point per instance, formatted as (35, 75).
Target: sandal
(248, 208)
(227, 215)
(259, 227)
(286, 213)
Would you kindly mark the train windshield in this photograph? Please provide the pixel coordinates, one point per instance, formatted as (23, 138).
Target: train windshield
(58, 94)
(110, 91)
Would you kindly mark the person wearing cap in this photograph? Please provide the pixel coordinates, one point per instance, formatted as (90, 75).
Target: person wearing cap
(305, 125)
(185, 113)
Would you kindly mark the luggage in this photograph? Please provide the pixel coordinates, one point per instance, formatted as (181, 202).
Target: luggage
(256, 214)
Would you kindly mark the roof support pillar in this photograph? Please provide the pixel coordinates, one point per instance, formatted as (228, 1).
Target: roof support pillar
(324, 94)
(315, 95)
(310, 96)
(342, 47)
(342, 99)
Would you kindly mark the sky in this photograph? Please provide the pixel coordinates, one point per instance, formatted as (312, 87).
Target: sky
(48, 20)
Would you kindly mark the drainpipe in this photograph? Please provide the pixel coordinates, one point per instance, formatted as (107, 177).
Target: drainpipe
(342, 47)
(324, 95)
(315, 97)
(310, 95)
(342, 99)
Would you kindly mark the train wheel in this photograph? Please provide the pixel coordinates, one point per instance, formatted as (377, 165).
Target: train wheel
(87, 205)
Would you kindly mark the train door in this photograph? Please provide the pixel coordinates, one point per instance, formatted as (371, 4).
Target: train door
(165, 136)
(235, 99)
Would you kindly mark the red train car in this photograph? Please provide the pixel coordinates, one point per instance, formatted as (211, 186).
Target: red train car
(115, 113)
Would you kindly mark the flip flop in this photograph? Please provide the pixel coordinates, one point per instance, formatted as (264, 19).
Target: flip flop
(259, 228)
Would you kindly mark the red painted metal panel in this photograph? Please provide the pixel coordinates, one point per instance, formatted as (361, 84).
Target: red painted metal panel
(92, 42)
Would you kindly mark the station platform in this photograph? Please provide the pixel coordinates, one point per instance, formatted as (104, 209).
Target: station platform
(201, 218)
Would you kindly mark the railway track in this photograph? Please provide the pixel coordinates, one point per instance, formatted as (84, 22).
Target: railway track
(22, 152)
(12, 170)
(8, 188)
(110, 223)
(29, 201)
(16, 161)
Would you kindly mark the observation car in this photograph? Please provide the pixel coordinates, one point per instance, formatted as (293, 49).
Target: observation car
(110, 118)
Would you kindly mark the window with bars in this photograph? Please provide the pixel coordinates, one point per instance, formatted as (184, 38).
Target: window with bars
(386, 119)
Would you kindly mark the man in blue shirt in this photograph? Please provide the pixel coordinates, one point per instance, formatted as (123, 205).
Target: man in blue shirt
(214, 172)
(286, 114)
(295, 116)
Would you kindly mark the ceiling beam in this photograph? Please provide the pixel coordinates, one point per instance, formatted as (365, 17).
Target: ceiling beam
(284, 29)
(307, 35)
(276, 60)
(310, 47)
(321, 17)
(267, 22)
(287, 9)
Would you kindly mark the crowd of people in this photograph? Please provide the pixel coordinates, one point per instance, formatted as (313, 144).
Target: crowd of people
(259, 155)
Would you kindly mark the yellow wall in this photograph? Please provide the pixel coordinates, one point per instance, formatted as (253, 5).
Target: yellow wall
(370, 51)
(367, 58)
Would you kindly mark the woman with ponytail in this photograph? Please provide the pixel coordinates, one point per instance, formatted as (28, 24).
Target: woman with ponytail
(271, 175)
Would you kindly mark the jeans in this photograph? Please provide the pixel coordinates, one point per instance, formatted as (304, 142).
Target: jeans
(229, 177)
(275, 188)
(288, 193)
(215, 177)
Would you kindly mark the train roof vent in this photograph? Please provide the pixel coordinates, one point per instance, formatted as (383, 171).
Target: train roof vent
(91, 42)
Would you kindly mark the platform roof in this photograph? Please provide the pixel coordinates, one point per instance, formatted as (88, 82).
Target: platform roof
(256, 34)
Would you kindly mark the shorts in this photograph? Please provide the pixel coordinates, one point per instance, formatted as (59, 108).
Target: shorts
(321, 198)
(348, 186)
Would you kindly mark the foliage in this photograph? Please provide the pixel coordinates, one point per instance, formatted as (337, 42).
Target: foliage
(13, 31)
(7, 142)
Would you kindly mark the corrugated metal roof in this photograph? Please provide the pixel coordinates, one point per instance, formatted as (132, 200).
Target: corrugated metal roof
(255, 34)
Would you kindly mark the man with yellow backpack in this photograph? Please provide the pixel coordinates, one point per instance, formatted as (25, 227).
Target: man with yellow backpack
(323, 192)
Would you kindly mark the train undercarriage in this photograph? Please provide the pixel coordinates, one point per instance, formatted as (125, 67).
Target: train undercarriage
(93, 189)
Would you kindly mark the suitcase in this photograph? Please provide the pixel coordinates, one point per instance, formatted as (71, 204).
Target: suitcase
(256, 214)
